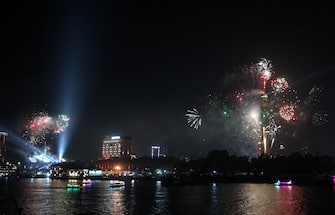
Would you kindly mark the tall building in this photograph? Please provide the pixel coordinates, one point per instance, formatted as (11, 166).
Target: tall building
(116, 147)
(3, 137)
(155, 151)
(158, 151)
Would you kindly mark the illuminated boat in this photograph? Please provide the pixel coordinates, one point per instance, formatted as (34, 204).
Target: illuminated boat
(117, 183)
(283, 183)
(87, 181)
(74, 185)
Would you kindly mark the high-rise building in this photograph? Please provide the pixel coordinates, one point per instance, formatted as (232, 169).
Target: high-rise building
(116, 147)
(3, 137)
(155, 151)
(158, 151)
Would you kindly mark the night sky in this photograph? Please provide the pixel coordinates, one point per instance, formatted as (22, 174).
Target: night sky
(134, 69)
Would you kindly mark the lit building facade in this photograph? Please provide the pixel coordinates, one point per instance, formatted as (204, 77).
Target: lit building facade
(155, 151)
(158, 151)
(116, 147)
(114, 167)
(3, 137)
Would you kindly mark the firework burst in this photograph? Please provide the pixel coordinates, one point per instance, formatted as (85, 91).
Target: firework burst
(279, 85)
(260, 72)
(320, 118)
(193, 118)
(253, 115)
(287, 112)
(40, 124)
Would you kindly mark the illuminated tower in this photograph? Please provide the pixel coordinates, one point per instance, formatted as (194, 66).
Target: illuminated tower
(3, 137)
(155, 151)
(265, 143)
(158, 151)
(116, 147)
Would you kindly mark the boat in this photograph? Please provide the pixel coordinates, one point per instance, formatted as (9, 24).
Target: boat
(283, 183)
(117, 183)
(74, 185)
(87, 181)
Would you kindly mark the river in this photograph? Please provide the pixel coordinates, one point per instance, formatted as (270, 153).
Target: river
(47, 196)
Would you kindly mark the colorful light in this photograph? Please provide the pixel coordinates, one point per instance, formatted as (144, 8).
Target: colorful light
(40, 124)
(253, 113)
(287, 112)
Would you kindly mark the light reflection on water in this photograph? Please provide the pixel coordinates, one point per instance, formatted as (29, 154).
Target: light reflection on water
(46, 196)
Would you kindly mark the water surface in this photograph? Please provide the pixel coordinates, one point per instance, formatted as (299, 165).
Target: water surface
(46, 196)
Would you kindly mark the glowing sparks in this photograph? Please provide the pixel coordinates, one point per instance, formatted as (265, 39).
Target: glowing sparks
(264, 69)
(279, 85)
(314, 96)
(253, 115)
(320, 118)
(239, 96)
(287, 112)
(194, 118)
(40, 124)
(261, 71)
(61, 122)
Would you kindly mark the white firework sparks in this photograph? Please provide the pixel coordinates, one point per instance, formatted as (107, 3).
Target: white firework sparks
(320, 118)
(40, 124)
(194, 118)
(259, 108)
(261, 72)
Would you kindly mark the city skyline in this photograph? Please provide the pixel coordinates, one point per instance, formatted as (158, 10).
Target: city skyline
(134, 70)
